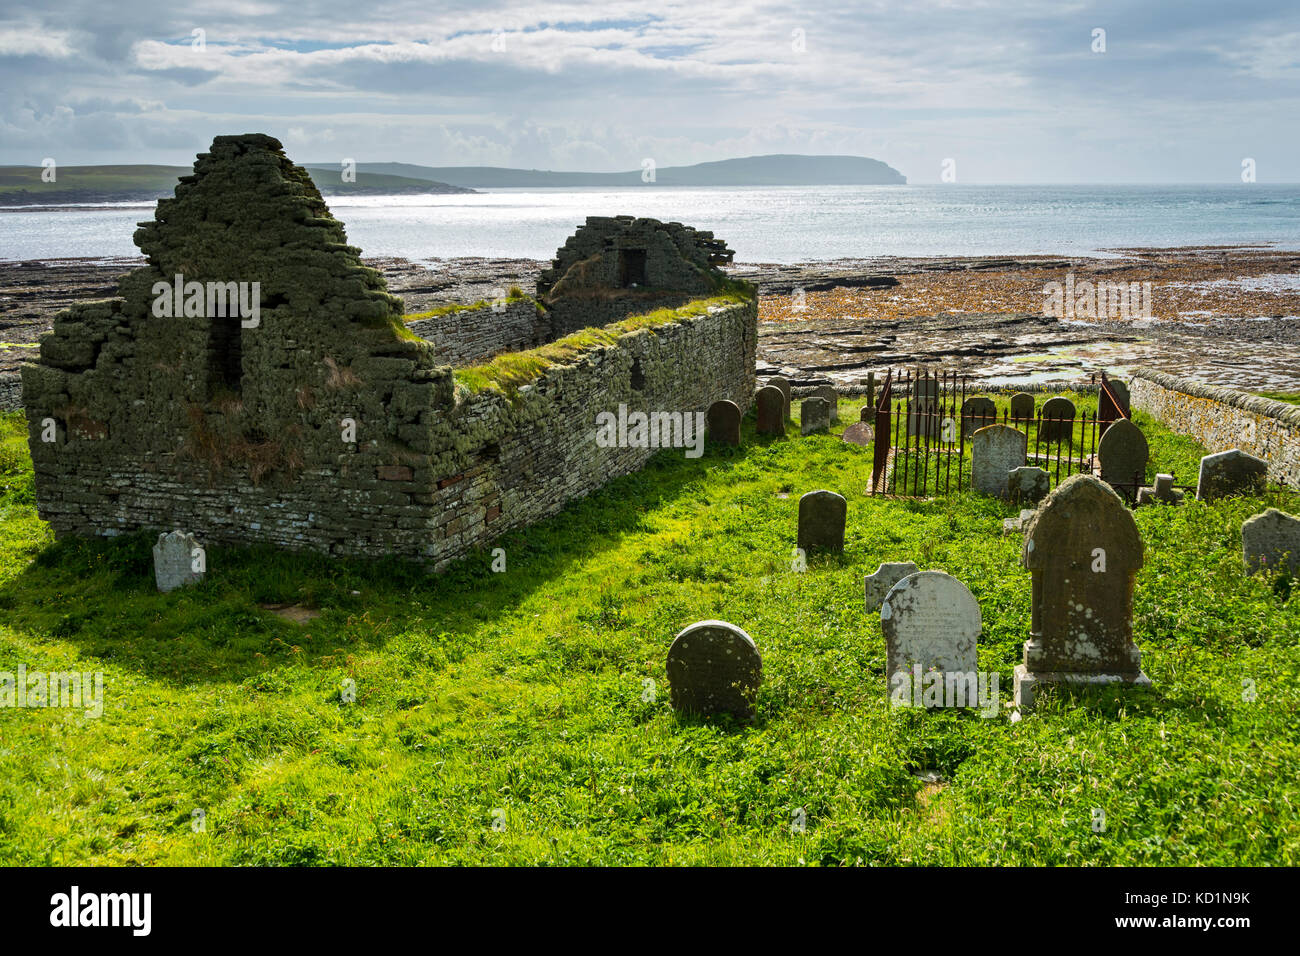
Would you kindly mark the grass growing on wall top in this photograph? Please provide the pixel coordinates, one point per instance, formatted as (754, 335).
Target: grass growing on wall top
(540, 692)
(510, 370)
(513, 295)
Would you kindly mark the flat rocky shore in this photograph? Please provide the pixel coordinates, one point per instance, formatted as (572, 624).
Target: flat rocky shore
(1225, 315)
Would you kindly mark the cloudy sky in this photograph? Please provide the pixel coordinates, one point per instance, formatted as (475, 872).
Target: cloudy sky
(1012, 91)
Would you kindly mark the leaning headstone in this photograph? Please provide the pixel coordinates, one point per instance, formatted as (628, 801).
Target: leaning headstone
(723, 422)
(1271, 542)
(931, 624)
(814, 415)
(178, 559)
(1120, 391)
(714, 668)
(976, 413)
(821, 521)
(784, 385)
(1123, 453)
(995, 451)
(1082, 549)
(1056, 419)
(877, 585)
(923, 408)
(1022, 407)
(1162, 492)
(771, 410)
(831, 396)
(1028, 483)
(1231, 472)
(859, 433)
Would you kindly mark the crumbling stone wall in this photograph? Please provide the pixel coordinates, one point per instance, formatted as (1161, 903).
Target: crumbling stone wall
(474, 333)
(616, 266)
(1221, 418)
(326, 425)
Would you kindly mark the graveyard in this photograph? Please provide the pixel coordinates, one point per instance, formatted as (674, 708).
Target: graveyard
(518, 707)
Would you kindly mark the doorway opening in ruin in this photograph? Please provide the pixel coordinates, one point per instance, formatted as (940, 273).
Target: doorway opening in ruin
(225, 355)
(631, 267)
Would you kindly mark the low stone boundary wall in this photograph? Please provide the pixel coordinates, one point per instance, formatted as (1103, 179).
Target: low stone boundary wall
(1221, 418)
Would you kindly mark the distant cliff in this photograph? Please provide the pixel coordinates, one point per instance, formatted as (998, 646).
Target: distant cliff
(775, 170)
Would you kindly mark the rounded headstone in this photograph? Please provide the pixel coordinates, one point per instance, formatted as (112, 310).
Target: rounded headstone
(714, 668)
(771, 410)
(1123, 454)
(776, 381)
(995, 451)
(931, 622)
(723, 422)
(976, 413)
(1056, 419)
(822, 516)
(1022, 406)
(859, 433)
(829, 393)
(814, 415)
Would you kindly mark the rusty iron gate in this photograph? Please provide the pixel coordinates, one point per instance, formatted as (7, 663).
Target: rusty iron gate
(923, 429)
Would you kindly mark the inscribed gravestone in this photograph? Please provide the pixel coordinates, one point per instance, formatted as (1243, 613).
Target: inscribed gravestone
(814, 415)
(995, 451)
(931, 624)
(821, 521)
(713, 668)
(1082, 549)
(174, 561)
(1123, 453)
(1231, 472)
(876, 586)
(976, 413)
(1022, 406)
(828, 393)
(1056, 419)
(723, 422)
(771, 410)
(1028, 483)
(1271, 542)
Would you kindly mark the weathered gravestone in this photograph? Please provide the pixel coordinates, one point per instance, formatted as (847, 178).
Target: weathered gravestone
(771, 410)
(859, 433)
(1123, 454)
(714, 668)
(871, 391)
(178, 559)
(1017, 523)
(976, 413)
(1082, 550)
(931, 624)
(1231, 472)
(832, 397)
(784, 385)
(876, 586)
(923, 408)
(814, 415)
(868, 414)
(1022, 407)
(1028, 483)
(995, 451)
(1271, 542)
(723, 422)
(1056, 420)
(1163, 492)
(821, 521)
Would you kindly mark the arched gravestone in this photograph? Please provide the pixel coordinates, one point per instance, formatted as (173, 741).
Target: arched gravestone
(777, 381)
(1123, 454)
(996, 451)
(923, 408)
(1022, 407)
(723, 422)
(1231, 472)
(976, 413)
(859, 433)
(1056, 419)
(1271, 542)
(771, 410)
(822, 516)
(931, 624)
(174, 561)
(831, 396)
(1082, 549)
(814, 415)
(714, 668)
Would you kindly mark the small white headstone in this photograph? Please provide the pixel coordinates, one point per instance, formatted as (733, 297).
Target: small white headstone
(178, 559)
(931, 624)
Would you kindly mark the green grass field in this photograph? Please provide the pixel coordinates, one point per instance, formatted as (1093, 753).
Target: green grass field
(522, 717)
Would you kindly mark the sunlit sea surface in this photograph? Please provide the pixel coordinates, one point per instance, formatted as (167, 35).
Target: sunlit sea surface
(763, 224)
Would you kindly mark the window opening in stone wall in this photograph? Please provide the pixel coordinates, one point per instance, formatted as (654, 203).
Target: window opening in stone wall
(631, 267)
